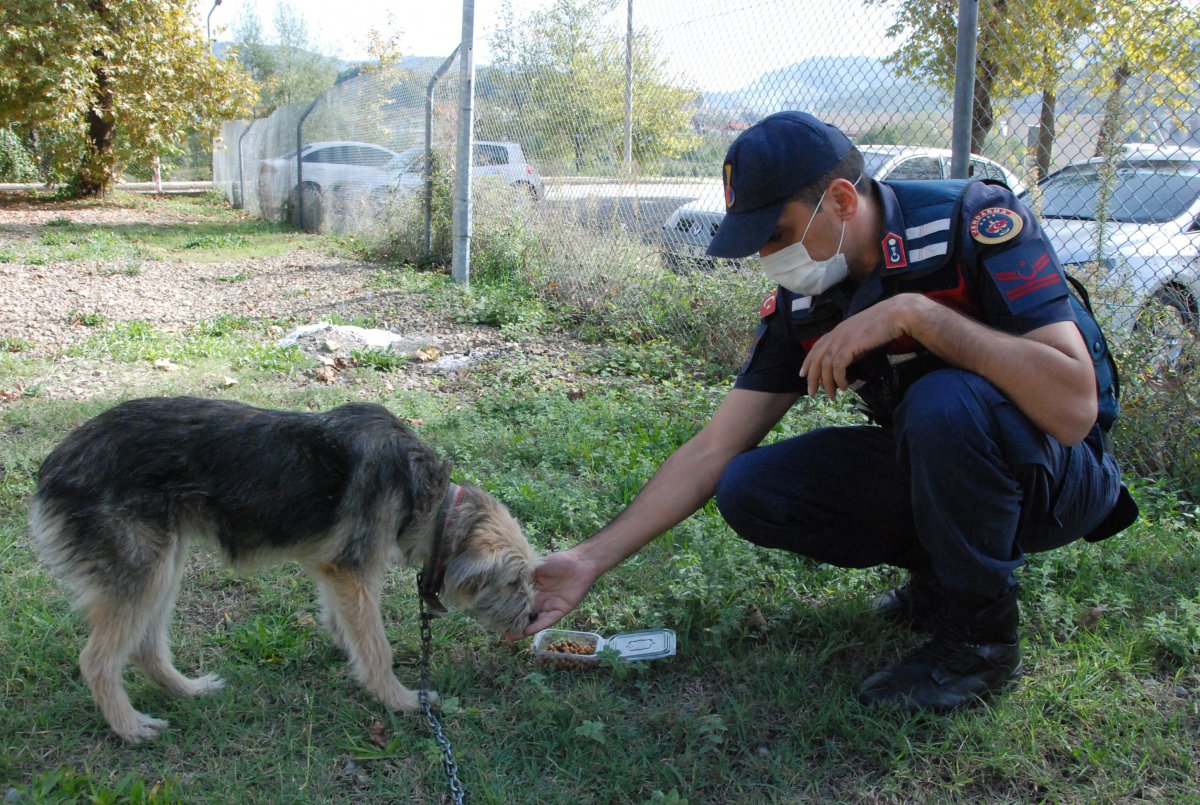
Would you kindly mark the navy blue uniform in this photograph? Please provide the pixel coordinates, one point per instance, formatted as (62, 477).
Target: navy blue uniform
(953, 479)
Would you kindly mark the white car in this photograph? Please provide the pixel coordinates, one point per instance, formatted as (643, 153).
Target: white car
(343, 171)
(688, 231)
(326, 167)
(1147, 254)
(502, 162)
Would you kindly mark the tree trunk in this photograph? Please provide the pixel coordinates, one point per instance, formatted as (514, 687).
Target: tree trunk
(1045, 141)
(983, 115)
(1114, 114)
(97, 170)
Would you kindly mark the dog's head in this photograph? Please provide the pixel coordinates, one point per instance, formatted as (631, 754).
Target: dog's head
(489, 573)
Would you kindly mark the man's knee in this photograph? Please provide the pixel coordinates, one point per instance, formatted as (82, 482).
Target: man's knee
(737, 496)
(946, 403)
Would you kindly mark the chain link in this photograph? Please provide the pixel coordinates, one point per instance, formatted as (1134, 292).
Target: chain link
(457, 792)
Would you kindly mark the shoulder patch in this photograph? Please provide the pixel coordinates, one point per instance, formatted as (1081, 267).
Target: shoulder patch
(894, 255)
(995, 225)
(1026, 276)
(768, 305)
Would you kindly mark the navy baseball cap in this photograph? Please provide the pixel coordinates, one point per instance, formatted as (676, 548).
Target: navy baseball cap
(766, 165)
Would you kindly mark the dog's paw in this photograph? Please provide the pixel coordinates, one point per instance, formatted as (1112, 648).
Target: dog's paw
(209, 683)
(143, 729)
(410, 701)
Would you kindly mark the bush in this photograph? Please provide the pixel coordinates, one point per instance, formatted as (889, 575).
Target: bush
(16, 161)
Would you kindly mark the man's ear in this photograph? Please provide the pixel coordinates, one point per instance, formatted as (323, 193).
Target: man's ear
(844, 198)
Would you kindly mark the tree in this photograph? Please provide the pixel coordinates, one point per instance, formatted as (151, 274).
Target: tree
(560, 80)
(1150, 48)
(288, 70)
(1026, 47)
(98, 83)
(930, 32)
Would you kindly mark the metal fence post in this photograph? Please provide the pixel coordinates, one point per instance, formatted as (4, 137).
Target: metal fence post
(241, 205)
(964, 87)
(461, 265)
(300, 163)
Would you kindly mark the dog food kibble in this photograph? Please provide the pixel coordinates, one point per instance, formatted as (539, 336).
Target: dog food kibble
(571, 647)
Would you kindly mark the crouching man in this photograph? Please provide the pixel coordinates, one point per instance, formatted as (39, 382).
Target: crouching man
(944, 308)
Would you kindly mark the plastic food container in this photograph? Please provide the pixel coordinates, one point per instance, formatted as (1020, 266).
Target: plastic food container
(648, 644)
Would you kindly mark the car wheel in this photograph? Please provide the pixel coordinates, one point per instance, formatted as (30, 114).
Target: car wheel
(1171, 318)
(311, 210)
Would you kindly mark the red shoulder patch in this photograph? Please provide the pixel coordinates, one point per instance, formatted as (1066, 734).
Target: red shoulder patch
(768, 305)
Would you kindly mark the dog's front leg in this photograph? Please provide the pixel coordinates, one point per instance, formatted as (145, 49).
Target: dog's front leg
(356, 596)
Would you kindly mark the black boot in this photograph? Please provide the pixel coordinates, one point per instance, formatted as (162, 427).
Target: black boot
(974, 652)
(913, 605)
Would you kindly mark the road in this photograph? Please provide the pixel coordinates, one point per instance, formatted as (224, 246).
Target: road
(640, 208)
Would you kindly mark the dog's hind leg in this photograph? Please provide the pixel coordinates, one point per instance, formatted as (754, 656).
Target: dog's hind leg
(116, 628)
(153, 653)
(356, 598)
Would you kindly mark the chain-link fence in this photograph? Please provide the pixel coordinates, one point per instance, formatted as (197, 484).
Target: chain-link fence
(597, 158)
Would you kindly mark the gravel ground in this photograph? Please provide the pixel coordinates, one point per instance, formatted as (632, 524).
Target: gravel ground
(39, 302)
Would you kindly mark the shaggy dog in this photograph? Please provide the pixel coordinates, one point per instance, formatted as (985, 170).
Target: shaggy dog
(347, 493)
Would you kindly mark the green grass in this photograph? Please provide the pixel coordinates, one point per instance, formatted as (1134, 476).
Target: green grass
(209, 233)
(1107, 712)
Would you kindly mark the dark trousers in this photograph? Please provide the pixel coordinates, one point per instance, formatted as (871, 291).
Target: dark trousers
(963, 485)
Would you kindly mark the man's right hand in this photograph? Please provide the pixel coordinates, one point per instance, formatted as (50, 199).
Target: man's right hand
(562, 580)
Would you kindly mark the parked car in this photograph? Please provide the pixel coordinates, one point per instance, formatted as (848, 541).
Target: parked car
(506, 163)
(1148, 260)
(329, 166)
(689, 229)
(501, 162)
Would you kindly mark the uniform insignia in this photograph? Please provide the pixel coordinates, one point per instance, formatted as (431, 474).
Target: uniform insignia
(894, 255)
(995, 225)
(1026, 276)
(768, 305)
(728, 185)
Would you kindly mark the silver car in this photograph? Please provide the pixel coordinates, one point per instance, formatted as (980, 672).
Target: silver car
(1145, 256)
(688, 231)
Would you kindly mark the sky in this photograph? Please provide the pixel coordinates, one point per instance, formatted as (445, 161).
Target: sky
(340, 28)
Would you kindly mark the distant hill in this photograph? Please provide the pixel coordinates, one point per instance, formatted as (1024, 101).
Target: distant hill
(830, 84)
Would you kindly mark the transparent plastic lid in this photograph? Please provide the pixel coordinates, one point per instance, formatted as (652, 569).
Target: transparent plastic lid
(649, 644)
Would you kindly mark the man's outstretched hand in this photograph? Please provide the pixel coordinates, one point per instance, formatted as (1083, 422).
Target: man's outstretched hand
(561, 580)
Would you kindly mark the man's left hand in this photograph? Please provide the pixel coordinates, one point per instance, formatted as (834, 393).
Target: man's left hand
(826, 363)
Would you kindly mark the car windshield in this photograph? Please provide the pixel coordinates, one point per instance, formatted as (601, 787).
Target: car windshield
(1142, 192)
(874, 162)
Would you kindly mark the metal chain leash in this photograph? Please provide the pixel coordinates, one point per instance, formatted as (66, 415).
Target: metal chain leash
(457, 792)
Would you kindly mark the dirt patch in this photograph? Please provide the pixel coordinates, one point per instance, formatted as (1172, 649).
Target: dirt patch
(50, 306)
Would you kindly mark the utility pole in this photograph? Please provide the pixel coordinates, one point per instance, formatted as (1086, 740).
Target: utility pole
(208, 28)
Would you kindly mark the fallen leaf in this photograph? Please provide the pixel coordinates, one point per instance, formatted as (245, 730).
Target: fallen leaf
(425, 355)
(229, 382)
(326, 374)
(377, 737)
(164, 365)
(752, 619)
(1092, 616)
(415, 421)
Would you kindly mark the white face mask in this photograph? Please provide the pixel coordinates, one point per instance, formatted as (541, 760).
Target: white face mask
(794, 269)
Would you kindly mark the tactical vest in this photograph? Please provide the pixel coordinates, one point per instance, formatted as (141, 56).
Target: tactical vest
(927, 258)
